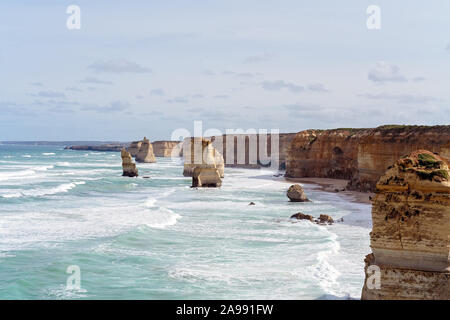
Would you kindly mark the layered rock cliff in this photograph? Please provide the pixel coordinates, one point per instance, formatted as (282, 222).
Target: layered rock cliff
(360, 155)
(324, 153)
(145, 153)
(166, 149)
(411, 228)
(384, 145)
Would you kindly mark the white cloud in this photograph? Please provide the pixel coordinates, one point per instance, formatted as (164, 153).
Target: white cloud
(401, 98)
(386, 72)
(317, 87)
(118, 66)
(281, 84)
(258, 58)
(157, 92)
(95, 81)
(51, 94)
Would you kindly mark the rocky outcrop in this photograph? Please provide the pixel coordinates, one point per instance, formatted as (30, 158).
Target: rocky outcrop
(360, 155)
(295, 193)
(134, 148)
(128, 167)
(324, 218)
(167, 149)
(302, 216)
(145, 153)
(206, 177)
(411, 227)
(199, 152)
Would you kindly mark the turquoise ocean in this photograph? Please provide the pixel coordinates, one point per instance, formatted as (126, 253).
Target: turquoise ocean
(157, 238)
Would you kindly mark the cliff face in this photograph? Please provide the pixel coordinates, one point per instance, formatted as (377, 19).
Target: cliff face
(383, 146)
(411, 227)
(166, 148)
(145, 153)
(360, 155)
(324, 153)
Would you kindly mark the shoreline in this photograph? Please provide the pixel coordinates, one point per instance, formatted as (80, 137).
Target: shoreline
(331, 185)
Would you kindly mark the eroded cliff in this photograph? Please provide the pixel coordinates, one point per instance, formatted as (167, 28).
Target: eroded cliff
(360, 155)
(411, 227)
(166, 149)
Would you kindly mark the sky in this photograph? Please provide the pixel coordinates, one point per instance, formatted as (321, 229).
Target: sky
(147, 68)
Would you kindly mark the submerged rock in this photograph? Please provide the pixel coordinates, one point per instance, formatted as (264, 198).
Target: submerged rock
(128, 166)
(301, 216)
(295, 193)
(251, 204)
(324, 218)
(145, 153)
(411, 227)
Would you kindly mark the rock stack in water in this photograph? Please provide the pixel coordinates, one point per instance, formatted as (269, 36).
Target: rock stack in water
(134, 147)
(411, 228)
(145, 153)
(295, 193)
(128, 166)
(203, 163)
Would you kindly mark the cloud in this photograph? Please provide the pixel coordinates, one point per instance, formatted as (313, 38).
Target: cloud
(258, 58)
(74, 89)
(386, 72)
(36, 84)
(115, 106)
(281, 84)
(51, 94)
(118, 66)
(317, 87)
(448, 47)
(157, 92)
(401, 98)
(419, 79)
(222, 96)
(178, 100)
(95, 81)
(208, 73)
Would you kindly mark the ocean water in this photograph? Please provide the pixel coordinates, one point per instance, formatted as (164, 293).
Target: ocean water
(157, 238)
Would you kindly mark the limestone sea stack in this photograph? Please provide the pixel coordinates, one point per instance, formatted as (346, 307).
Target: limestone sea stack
(145, 153)
(295, 193)
(206, 177)
(128, 166)
(134, 147)
(411, 228)
(199, 152)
